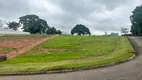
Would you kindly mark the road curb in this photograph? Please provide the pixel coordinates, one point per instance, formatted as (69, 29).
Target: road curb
(67, 70)
(70, 70)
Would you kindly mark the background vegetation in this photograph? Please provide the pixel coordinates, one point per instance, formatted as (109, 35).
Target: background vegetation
(136, 20)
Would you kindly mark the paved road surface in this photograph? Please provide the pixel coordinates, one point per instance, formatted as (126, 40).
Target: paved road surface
(131, 70)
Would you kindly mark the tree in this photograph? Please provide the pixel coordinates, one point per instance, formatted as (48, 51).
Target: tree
(33, 24)
(136, 20)
(13, 25)
(80, 30)
(48, 31)
(52, 30)
(59, 32)
(124, 30)
(43, 26)
(114, 34)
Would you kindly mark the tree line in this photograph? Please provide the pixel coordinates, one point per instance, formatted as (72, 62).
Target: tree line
(34, 25)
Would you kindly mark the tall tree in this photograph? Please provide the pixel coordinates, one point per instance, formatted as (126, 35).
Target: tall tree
(33, 24)
(80, 30)
(13, 25)
(136, 20)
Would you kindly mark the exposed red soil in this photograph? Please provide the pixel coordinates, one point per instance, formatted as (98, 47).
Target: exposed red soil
(21, 44)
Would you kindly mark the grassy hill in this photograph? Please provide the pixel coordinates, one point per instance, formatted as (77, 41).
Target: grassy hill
(71, 52)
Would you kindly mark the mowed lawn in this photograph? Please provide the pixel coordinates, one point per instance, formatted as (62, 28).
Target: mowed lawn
(70, 52)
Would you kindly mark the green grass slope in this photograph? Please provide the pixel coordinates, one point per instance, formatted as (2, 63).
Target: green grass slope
(71, 52)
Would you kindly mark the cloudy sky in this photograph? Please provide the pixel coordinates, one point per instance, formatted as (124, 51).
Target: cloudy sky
(98, 15)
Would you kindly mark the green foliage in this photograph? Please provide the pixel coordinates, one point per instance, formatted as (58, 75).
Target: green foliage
(52, 30)
(13, 25)
(114, 34)
(59, 32)
(136, 20)
(35, 25)
(80, 30)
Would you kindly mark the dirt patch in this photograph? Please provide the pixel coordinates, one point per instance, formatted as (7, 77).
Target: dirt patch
(3, 52)
(21, 44)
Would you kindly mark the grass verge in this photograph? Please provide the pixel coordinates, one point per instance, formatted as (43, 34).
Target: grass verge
(120, 53)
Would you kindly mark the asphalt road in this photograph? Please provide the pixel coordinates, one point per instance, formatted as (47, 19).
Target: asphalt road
(131, 70)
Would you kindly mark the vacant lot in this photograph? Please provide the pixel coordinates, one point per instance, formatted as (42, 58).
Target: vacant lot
(10, 43)
(69, 52)
(18, 41)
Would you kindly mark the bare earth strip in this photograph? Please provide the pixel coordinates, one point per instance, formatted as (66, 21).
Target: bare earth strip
(22, 45)
(131, 70)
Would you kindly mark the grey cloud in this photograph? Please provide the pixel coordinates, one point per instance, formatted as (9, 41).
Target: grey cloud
(11, 8)
(77, 6)
(14, 5)
(98, 15)
(112, 4)
(82, 9)
(87, 6)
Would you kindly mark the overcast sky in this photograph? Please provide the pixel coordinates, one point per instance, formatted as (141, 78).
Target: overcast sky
(97, 15)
